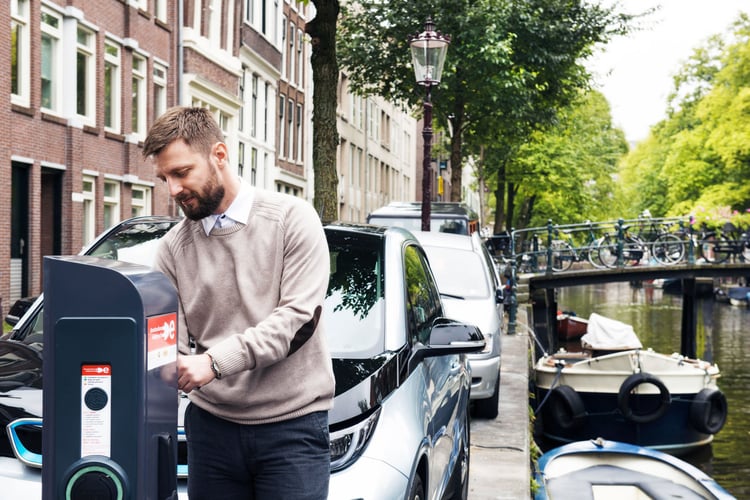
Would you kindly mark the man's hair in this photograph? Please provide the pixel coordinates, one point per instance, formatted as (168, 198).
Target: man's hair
(195, 126)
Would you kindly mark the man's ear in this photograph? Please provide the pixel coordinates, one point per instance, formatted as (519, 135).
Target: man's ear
(220, 152)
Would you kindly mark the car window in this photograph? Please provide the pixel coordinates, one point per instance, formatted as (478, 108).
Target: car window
(423, 301)
(354, 304)
(136, 243)
(469, 283)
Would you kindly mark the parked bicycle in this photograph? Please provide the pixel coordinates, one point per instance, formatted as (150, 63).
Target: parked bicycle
(731, 242)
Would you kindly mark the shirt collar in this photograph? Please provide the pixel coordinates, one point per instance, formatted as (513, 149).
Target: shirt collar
(238, 211)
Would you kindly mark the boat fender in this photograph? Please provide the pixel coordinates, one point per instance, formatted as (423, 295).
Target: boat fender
(623, 398)
(566, 407)
(708, 410)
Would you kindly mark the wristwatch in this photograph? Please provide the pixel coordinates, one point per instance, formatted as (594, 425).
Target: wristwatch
(215, 368)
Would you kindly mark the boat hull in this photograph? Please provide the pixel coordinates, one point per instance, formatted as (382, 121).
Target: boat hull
(638, 397)
(571, 327)
(602, 469)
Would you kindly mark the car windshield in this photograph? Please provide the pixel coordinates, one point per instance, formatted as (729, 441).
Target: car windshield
(437, 224)
(354, 304)
(458, 272)
(135, 243)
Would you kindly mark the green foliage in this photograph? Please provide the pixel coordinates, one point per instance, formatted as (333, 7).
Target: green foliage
(697, 161)
(570, 167)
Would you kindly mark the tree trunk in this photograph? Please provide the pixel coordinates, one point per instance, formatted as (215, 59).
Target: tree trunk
(500, 201)
(322, 31)
(457, 124)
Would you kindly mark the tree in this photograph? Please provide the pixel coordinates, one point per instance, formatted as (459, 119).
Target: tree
(322, 31)
(510, 65)
(698, 159)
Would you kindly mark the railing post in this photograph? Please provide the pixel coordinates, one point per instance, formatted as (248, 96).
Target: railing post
(548, 268)
(691, 240)
(620, 241)
(513, 287)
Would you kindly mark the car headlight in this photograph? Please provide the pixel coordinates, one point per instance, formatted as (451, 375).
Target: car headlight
(489, 340)
(22, 433)
(347, 444)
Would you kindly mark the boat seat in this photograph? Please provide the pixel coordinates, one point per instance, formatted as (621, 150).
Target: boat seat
(578, 485)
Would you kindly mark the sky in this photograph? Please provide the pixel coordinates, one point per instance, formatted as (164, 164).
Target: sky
(635, 72)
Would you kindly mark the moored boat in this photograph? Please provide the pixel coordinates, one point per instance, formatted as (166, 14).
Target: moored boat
(739, 295)
(617, 390)
(570, 326)
(600, 469)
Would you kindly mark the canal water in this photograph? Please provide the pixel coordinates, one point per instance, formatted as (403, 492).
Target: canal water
(723, 336)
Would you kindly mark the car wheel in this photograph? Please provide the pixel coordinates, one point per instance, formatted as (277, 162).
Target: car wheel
(487, 408)
(417, 489)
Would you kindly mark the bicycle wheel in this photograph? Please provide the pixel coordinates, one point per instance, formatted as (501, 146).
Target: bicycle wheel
(713, 249)
(668, 249)
(606, 251)
(563, 255)
(633, 250)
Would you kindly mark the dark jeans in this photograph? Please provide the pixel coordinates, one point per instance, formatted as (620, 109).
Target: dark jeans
(287, 460)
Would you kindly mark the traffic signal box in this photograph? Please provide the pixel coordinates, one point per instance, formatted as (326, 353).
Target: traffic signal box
(110, 388)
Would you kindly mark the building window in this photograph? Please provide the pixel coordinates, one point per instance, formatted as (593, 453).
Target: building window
(214, 22)
(300, 58)
(111, 213)
(253, 166)
(85, 74)
(282, 125)
(283, 48)
(112, 86)
(299, 133)
(140, 201)
(266, 106)
(250, 11)
(138, 119)
(254, 106)
(160, 10)
(291, 53)
(20, 51)
(241, 159)
(160, 90)
(289, 147)
(50, 58)
(88, 192)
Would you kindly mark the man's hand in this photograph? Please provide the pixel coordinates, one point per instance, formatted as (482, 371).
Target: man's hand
(193, 371)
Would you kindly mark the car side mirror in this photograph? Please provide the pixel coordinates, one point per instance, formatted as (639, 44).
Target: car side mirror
(499, 296)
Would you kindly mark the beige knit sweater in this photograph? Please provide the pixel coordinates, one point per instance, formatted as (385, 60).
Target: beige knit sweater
(251, 296)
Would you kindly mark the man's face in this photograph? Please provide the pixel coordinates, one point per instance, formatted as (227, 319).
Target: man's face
(192, 178)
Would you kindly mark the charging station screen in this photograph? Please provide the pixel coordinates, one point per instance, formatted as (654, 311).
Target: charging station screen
(162, 340)
(96, 409)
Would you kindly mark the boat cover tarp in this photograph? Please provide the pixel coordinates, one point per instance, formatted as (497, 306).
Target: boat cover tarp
(739, 292)
(607, 333)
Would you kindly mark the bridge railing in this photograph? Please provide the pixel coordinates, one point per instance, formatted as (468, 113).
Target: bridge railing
(600, 244)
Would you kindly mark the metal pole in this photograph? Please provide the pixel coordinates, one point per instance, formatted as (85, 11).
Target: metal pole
(427, 161)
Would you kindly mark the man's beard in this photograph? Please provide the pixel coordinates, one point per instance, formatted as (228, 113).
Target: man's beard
(206, 202)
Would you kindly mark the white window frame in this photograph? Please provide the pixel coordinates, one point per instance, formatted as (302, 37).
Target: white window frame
(159, 73)
(290, 49)
(86, 49)
(214, 14)
(53, 71)
(139, 100)
(19, 22)
(160, 10)
(88, 199)
(140, 204)
(255, 79)
(290, 132)
(111, 198)
(112, 61)
(284, 57)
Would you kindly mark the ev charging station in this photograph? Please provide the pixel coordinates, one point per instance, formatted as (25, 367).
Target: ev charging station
(110, 381)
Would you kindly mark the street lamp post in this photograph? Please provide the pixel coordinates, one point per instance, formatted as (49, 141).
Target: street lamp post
(428, 51)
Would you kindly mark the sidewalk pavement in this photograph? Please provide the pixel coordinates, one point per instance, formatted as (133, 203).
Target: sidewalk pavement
(500, 460)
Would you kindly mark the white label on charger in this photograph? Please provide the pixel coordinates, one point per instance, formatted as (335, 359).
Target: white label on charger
(96, 410)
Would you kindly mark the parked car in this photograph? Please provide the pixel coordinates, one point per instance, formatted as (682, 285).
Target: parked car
(471, 290)
(400, 423)
(445, 216)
